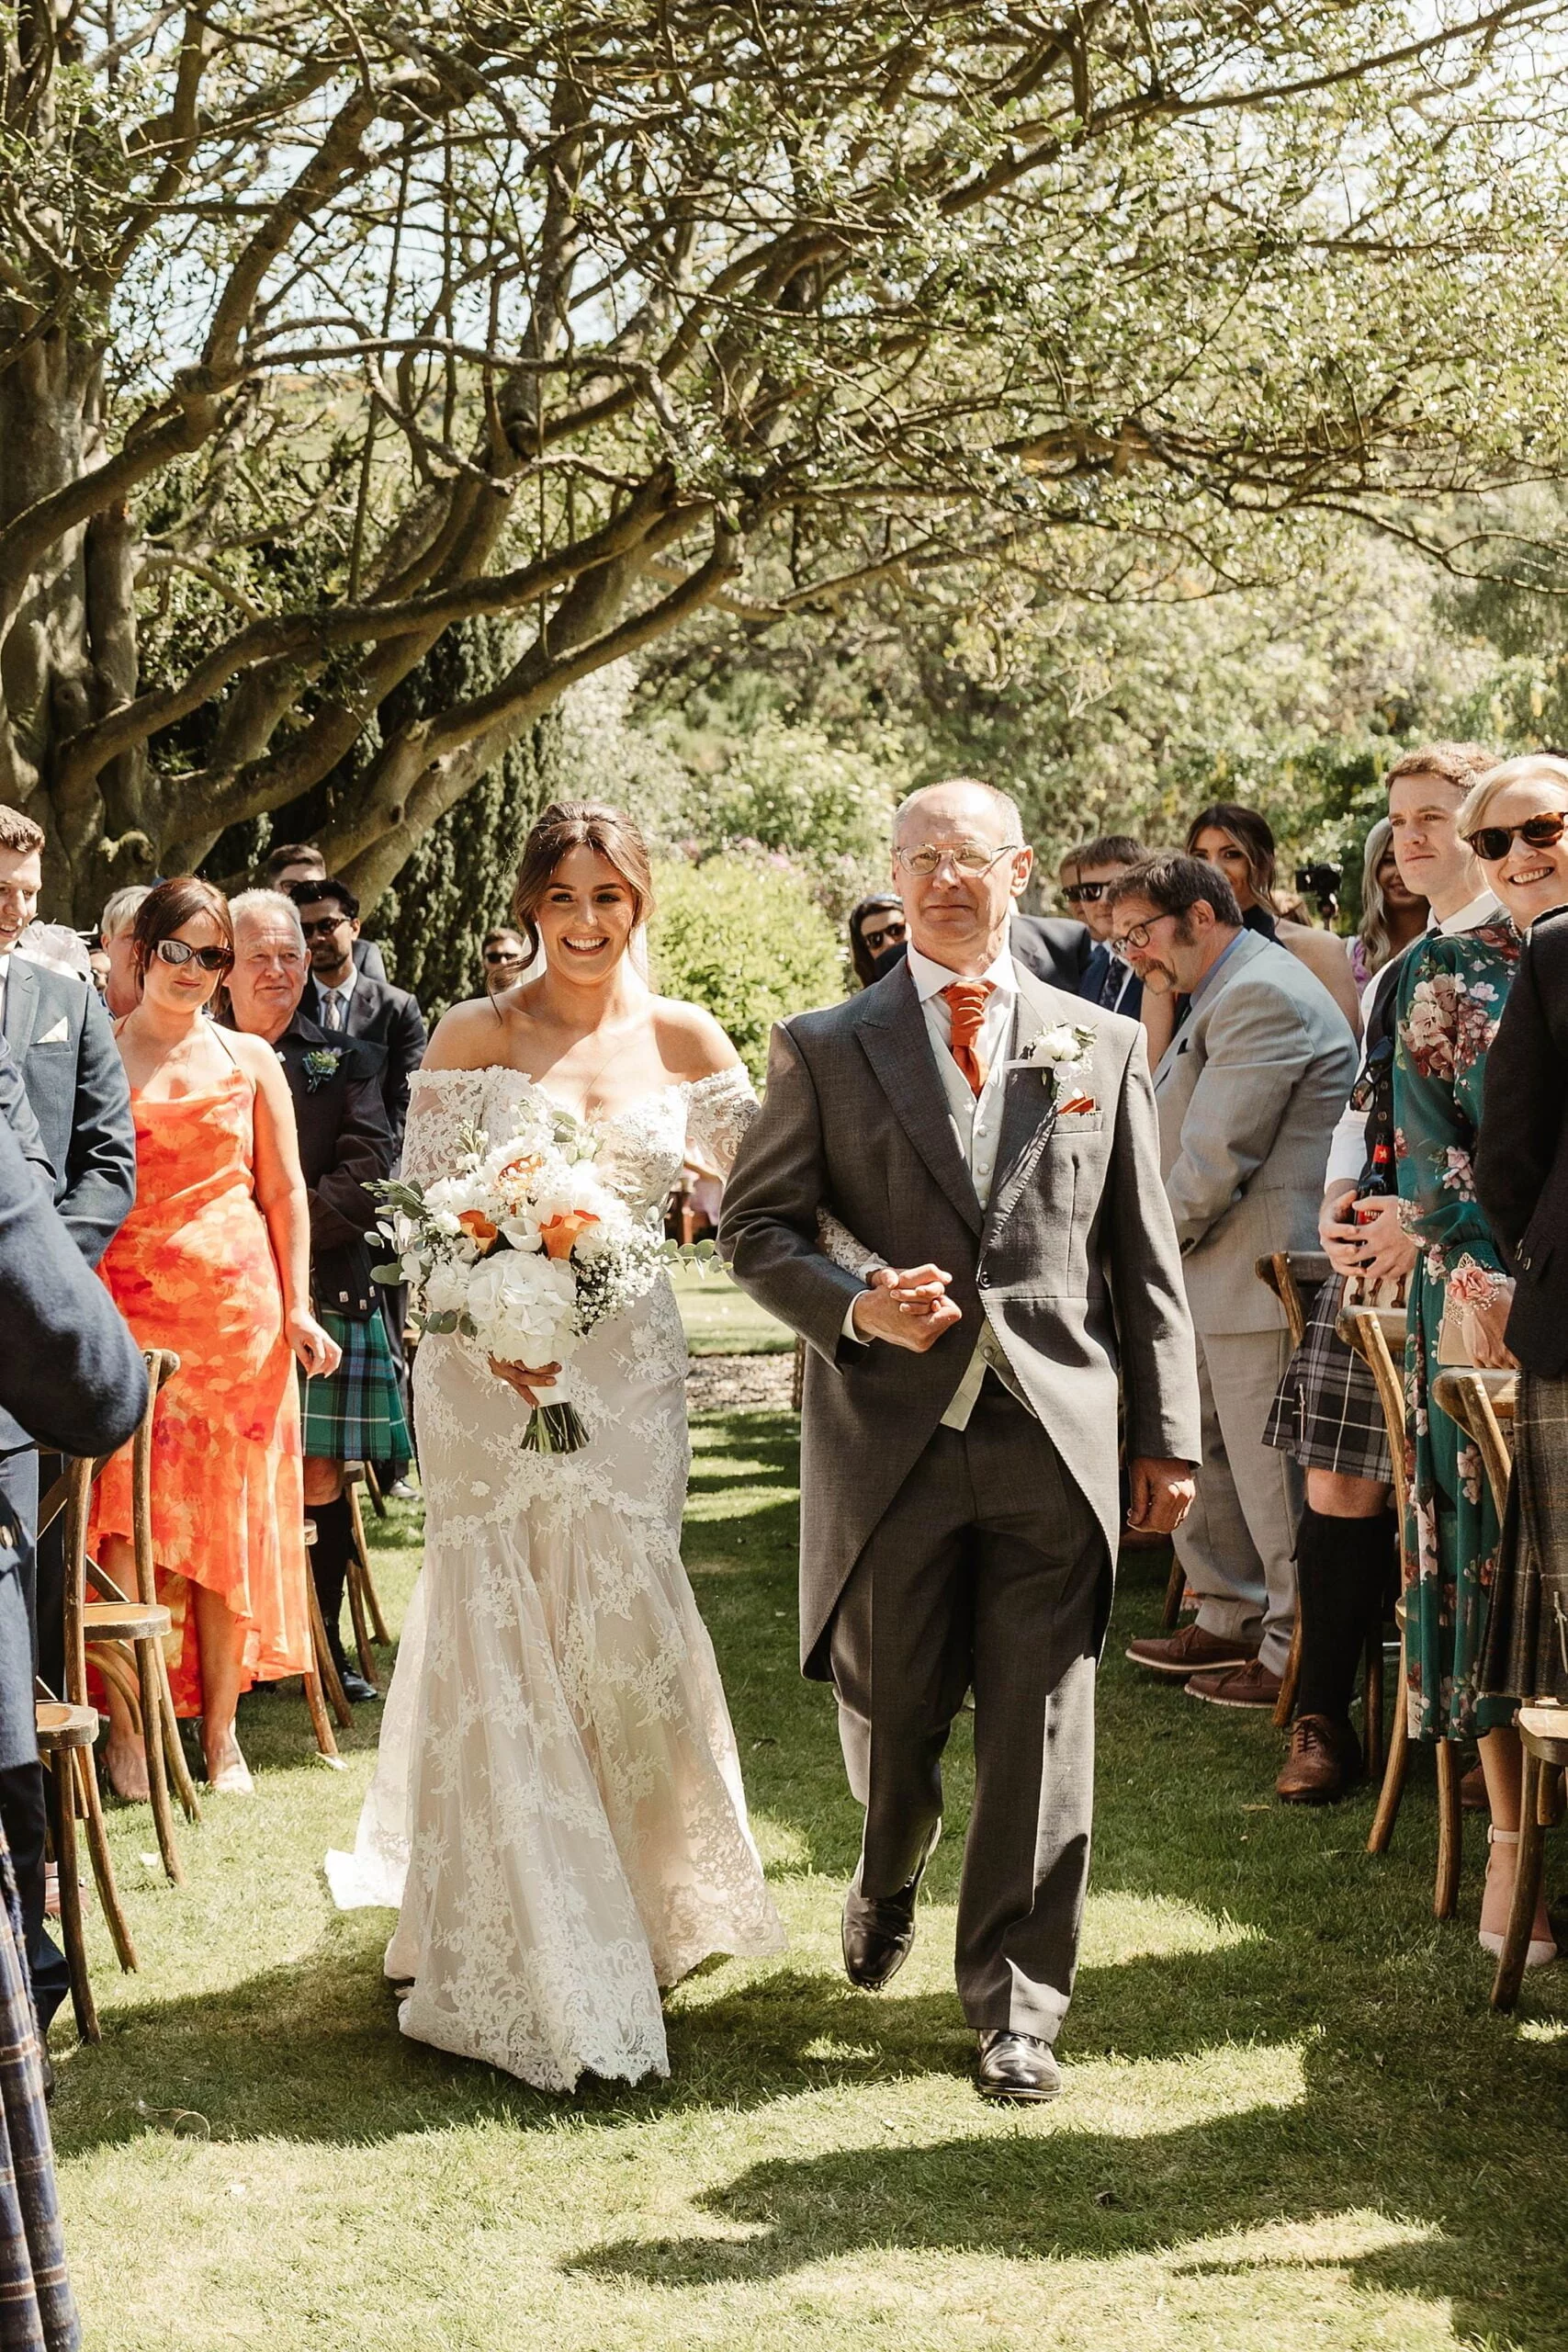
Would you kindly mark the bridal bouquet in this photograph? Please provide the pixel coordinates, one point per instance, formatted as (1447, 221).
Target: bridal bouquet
(524, 1250)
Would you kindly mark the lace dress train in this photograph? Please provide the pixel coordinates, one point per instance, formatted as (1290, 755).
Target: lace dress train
(557, 1807)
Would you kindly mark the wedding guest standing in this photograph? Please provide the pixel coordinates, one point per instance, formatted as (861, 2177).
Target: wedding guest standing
(1086, 874)
(505, 958)
(1240, 842)
(1328, 1414)
(1451, 995)
(1393, 915)
(293, 862)
(355, 1413)
(214, 1262)
(878, 937)
(340, 997)
(116, 926)
(1248, 1095)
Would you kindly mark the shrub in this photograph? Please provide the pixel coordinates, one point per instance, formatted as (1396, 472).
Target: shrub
(743, 937)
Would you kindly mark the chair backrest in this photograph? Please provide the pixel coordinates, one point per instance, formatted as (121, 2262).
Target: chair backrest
(1466, 1397)
(1373, 1331)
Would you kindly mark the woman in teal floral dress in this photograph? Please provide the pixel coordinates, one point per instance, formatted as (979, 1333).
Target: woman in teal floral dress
(1450, 998)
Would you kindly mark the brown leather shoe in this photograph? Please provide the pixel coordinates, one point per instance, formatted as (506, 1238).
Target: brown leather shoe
(1187, 1652)
(1237, 1686)
(1323, 1762)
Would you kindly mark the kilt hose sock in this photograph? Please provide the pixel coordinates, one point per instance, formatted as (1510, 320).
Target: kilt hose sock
(329, 1565)
(1344, 1568)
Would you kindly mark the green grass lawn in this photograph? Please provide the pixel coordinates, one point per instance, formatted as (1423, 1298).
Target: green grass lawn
(1289, 2119)
(721, 1320)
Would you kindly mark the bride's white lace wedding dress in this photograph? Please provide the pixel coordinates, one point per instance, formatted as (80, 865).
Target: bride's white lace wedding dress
(556, 1806)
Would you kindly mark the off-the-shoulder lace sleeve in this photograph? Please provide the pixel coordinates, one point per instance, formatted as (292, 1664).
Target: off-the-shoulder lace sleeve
(719, 1109)
(442, 1102)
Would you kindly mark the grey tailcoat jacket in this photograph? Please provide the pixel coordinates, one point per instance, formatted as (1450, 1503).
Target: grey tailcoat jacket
(1076, 1257)
(1248, 1091)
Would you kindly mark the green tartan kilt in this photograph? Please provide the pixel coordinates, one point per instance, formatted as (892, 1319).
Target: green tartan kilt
(355, 1413)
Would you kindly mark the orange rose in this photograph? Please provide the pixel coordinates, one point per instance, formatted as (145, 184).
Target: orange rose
(559, 1237)
(478, 1227)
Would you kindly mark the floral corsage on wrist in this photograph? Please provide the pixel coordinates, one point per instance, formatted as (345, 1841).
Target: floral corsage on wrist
(1470, 1285)
(1063, 1057)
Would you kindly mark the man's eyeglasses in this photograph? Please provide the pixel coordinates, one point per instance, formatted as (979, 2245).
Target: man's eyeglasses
(969, 857)
(889, 935)
(176, 952)
(324, 927)
(1085, 894)
(1493, 843)
(1136, 938)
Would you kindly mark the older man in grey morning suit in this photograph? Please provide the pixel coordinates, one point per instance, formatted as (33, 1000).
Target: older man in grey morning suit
(960, 1505)
(1248, 1091)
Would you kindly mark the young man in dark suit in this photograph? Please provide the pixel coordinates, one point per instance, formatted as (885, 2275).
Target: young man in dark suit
(294, 862)
(339, 996)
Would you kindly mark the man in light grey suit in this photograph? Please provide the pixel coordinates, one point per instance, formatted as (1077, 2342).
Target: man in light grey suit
(1248, 1091)
(959, 1503)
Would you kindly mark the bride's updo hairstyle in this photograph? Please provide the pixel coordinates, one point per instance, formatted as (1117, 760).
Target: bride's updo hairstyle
(579, 824)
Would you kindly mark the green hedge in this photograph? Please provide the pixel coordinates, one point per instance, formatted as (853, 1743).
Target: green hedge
(745, 938)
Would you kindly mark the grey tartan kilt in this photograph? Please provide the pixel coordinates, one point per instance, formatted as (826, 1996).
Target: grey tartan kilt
(1326, 1412)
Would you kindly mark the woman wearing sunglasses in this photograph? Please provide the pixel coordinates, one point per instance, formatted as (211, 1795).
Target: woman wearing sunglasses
(213, 1261)
(1519, 830)
(878, 934)
(1451, 995)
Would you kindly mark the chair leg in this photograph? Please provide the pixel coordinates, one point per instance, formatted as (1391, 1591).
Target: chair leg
(1175, 1586)
(153, 1743)
(63, 1810)
(1529, 1857)
(1371, 1705)
(1380, 1836)
(1445, 1891)
(1289, 1682)
(377, 1501)
(359, 1577)
(174, 1752)
(367, 1655)
(102, 1866)
(320, 1722)
(326, 1673)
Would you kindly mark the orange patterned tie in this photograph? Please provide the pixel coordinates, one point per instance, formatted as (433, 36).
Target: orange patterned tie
(966, 1000)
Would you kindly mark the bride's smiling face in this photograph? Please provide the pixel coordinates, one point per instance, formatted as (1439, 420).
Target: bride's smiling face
(587, 915)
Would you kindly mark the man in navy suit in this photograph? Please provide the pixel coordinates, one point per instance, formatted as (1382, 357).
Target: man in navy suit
(340, 997)
(64, 1046)
(61, 1042)
(1087, 875)
(73, 1378)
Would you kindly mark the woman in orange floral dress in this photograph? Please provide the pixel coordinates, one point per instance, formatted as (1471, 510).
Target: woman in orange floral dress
(213, 1261)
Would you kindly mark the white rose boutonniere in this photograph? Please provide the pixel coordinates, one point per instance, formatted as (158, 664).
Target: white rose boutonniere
(1063, 1056)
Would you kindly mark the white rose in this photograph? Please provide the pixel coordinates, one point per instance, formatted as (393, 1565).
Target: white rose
(1059, 1044)
(522, 1309)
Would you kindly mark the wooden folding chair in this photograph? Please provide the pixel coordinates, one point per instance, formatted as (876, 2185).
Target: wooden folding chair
(364, 1601)
(66, 1736)
(1543, 1736)
(1375, 1332)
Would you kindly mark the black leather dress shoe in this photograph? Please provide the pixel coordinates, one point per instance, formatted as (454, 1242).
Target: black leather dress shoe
(355, 1689)
(1017, 2066)
(879, 1929)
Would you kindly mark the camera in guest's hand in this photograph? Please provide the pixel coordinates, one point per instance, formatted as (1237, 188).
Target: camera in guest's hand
(1322, 883)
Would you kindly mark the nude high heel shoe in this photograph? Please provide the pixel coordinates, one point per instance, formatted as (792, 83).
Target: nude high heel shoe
(1540, 1952)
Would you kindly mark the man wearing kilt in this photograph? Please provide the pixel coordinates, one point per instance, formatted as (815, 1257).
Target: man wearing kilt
(1326, 1415)
(355, 1414)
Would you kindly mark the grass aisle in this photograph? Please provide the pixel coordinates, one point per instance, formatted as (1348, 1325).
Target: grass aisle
(1289, 2119)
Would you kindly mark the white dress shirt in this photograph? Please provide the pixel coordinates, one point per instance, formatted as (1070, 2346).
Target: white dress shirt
(1347, 1149)
(344, 988)
(977, 1126)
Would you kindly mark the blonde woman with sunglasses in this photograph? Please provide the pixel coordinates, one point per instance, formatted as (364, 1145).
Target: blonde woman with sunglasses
(1452, 998)
(213, 1263)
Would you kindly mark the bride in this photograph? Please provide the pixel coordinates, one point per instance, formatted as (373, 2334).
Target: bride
(557, 1807)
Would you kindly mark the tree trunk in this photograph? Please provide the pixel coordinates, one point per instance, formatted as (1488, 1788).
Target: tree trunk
(71, 654)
